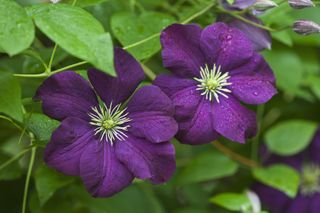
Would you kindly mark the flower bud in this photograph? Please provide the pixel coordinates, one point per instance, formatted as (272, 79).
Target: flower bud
(306, 27)
(263, 5)
(299, 4)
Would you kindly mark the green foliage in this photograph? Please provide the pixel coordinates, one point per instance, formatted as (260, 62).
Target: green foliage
(41, 126)
(48, 181)
(208, 166)
(16, 28)
(77, 32)
(231, 201)
(278, 176)
(290, 137)
(10, 96)
(129, 29)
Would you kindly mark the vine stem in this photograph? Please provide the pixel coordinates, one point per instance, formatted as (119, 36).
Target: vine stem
(255, 142)
(51, 58)
(14, 158)
(235, 156)
(26, 186)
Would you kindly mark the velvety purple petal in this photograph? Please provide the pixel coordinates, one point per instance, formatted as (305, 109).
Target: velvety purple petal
(151, 112)
(102, 173)
(275, 200)
(315, 203)
(66, 94)
(254, 85)
(182, 92)
(314, 148)
(147, 160)
(225, 46)
(199, 128)
(181, 49)
(118, 89)
(238, 4)
(260, 38)
(300, 204)
(67, 144)
(233, 121)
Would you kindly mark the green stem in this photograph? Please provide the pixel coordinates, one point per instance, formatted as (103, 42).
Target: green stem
(199, 13)
(14, 158)
(11, 121)
(68, 67)
(51, 58)
(74, 2)
(40, 75)
(256, 140)
(26, 186)
(149, 72)
(241, 18)
(141, 41)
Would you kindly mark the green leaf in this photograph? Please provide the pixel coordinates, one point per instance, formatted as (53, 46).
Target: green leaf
(11, 171)
(208, 166)
(84, 3)
(16, 28)
(48, 181)
(41, 126)
(77, 32)
(129, 28)
(281, 177)
(290, 137)
(10, 96)
(232, 201)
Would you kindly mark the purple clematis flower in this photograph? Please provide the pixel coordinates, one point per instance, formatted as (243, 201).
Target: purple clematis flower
(308, 198)
(260, 38)
(213, 70)
(109, 144)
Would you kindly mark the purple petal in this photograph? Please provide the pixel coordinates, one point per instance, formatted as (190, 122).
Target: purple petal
(151, 112)
(181, 51)
(67, 144)
(66, 94)
(253, 83)
(182, 92)
(300, 204)
(102, 173)
(315, 203)
(199, 128)
(225, 46)
(233, 121)
(238, 4)
(118, 89)
(275, 200)
(147, 160)
(260, 38)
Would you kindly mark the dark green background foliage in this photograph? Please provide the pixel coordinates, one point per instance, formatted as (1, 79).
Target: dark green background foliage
(206, 179)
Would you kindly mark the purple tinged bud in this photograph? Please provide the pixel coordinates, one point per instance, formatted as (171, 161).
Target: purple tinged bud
(299, 4)
(263, 5)
(306, 27)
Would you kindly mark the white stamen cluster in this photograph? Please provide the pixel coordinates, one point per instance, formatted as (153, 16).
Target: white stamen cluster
(310, 179)
(213, 82)
(111, 122)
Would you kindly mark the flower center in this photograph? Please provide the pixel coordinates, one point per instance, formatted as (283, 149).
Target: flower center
(310, 179)
(213, 82)
(110, 122)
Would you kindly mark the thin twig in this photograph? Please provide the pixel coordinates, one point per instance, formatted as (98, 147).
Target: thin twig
(234, 156)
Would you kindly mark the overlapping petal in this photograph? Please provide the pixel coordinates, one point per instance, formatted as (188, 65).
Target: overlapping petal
(232, 120)
(65, 95)
(254, 82)
(67, 144)
(102, 173)
(181, 51)
(301, 204)
(225, 46)
(151, 112)
(118, 89)
(199, 128)
(147, 160)
(182, 92)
